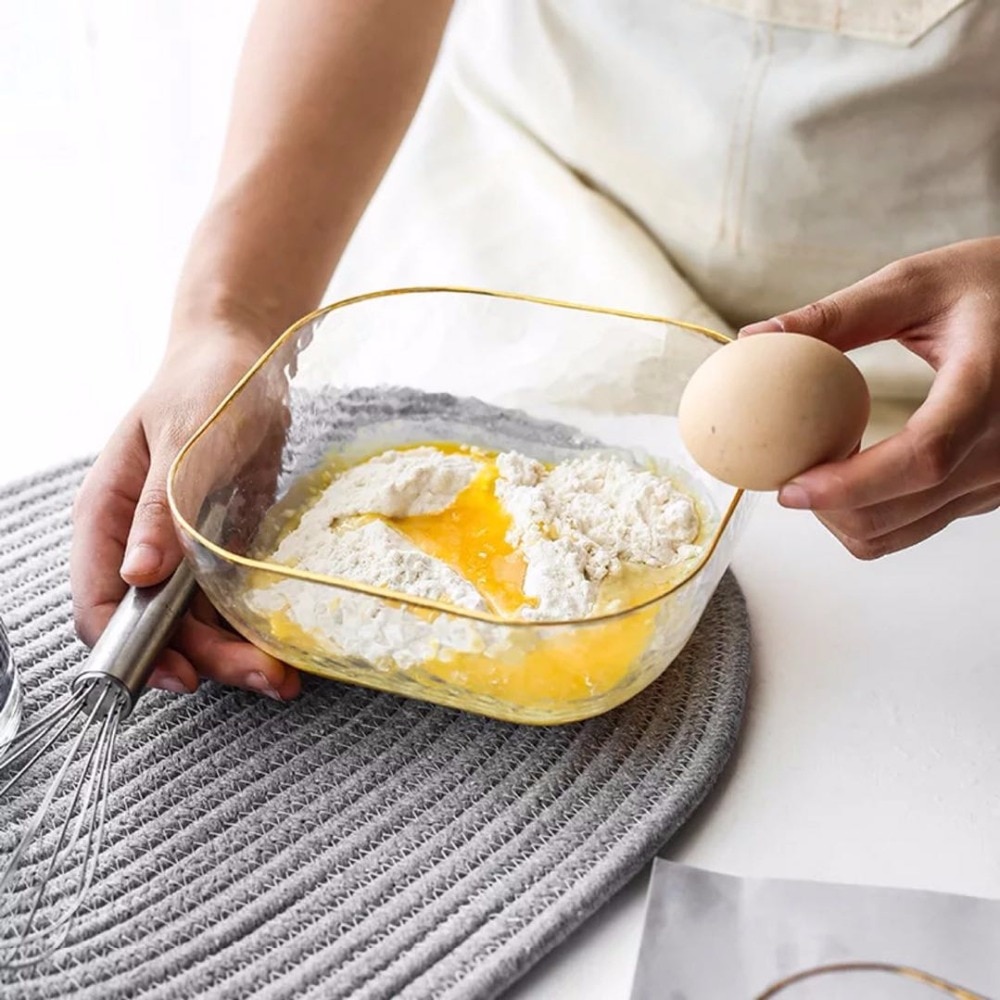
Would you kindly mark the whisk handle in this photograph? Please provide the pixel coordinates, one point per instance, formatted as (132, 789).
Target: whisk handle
(137, 632)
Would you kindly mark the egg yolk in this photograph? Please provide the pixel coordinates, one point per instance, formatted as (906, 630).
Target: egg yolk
(571, 663)
(471, 537)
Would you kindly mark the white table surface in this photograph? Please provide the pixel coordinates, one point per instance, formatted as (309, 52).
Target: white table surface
(871, 751)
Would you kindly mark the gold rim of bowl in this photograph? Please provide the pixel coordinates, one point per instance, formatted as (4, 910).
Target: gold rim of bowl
(395, 596)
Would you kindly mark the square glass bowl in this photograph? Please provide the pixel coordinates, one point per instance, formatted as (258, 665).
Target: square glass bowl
(494, 370)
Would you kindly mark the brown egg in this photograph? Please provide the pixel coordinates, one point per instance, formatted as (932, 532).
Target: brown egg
(764, 408)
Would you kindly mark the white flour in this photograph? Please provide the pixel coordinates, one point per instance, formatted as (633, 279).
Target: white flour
(375, 554)
(398, 484)
(575, 526)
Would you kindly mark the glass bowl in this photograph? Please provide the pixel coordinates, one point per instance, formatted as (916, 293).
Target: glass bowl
(488, 369)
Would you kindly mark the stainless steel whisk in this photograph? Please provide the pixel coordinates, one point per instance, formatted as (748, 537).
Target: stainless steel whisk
(39, 897)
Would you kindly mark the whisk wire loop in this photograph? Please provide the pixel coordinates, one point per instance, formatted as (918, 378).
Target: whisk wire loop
(46, 877)
(29, 938)
(85, 812)
(46, 731)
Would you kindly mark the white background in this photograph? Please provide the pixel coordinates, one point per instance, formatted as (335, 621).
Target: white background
(872, 746)
(111, 121)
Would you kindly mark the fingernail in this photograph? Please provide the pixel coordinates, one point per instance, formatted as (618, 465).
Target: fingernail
(764, 326)
(168, 682)
(259, 683)
(794, 496)
(142, 559)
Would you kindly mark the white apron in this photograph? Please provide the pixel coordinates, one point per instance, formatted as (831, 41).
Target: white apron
(718, 161)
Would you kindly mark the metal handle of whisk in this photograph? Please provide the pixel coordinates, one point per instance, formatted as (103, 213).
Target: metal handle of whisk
(139, 629)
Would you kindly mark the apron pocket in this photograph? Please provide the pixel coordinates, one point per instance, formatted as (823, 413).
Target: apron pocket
(895, 22)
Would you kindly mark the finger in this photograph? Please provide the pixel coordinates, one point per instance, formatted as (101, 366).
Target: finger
(977, 502)
(879, 307)
(232, 660)
(863, 523)
(235, 654)
(102, 516)
(173, 672)
(153, 551)
(936, 439)
(257, 481)
(203, 609)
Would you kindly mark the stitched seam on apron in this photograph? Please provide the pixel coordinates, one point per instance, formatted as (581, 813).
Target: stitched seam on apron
(727, 181)
(738, 167)
(757, 86)
(869, 23)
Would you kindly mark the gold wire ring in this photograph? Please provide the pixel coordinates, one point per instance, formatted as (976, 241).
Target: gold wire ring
(905, 971)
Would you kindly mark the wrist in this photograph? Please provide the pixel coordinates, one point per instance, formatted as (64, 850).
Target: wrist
(240, 279)
(213, 309)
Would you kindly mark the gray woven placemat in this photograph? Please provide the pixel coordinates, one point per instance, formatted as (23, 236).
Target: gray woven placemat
(352, 844)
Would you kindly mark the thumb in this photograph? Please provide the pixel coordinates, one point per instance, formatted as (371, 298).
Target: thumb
(152, 551)
(879, 307)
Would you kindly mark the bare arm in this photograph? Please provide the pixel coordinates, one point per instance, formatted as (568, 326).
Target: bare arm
(324, 94)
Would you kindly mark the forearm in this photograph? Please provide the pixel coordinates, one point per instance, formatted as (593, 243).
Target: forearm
(325, 92)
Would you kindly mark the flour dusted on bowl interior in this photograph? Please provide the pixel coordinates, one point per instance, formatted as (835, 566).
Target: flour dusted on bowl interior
(477, 530)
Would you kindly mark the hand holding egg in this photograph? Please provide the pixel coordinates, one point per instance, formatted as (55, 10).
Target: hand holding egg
(763, 409)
